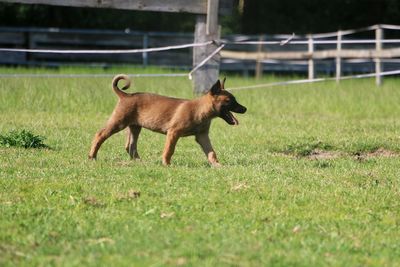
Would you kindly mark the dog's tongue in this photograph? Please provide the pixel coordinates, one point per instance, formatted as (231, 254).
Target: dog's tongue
(235, 121)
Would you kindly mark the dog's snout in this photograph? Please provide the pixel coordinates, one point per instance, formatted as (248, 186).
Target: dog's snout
(240, 109)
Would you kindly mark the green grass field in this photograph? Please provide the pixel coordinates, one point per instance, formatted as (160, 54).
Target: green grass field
(311, 177)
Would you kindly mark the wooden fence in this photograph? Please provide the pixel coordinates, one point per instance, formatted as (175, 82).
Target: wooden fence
(92, 39)
(306, 54)
(377, 54)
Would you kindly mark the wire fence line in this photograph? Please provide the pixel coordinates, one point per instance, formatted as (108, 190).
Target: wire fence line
(189, 45)
(305, 81)
(257, 86)
(88, 75)
(286, 39)
(312, 39)
(343, 32)
(106, 51)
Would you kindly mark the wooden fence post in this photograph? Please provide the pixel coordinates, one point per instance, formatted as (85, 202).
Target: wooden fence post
(207, 29)
(311, 71)
(338, 58)
(259, 66)
(378, 61)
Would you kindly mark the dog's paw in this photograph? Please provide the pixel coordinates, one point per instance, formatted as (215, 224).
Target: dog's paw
(216, 165)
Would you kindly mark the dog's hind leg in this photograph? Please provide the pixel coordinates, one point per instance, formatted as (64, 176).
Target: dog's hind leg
(102, 136)
(131, 141)
(128, 139)
(204, 141)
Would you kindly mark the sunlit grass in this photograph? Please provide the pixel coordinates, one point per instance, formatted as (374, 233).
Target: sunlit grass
(271, 204)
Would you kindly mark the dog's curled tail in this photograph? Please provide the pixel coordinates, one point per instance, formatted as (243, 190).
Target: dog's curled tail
(115, 81)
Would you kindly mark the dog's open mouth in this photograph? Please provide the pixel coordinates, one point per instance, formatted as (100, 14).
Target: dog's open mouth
(229, 118)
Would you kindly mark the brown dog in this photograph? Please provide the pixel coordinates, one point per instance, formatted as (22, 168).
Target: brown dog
(171, 116)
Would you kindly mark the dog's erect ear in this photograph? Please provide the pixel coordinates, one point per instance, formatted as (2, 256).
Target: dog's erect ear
(216, 88)
(223, 84)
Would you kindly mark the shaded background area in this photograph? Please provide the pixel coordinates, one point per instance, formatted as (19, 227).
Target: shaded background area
(311, 16)
(248, 17)
(32, 26)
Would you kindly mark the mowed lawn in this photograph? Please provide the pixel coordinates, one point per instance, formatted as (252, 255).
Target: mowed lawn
(310, 177)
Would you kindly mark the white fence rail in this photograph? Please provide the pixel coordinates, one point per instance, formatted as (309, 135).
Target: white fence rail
(310, 53)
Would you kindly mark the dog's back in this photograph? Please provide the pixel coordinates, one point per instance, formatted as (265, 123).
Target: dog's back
(150, 111)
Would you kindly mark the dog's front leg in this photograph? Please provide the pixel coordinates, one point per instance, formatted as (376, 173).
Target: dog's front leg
(172, 139)
(204, 141)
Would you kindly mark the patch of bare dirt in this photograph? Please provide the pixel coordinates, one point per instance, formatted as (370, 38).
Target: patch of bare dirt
(318, 154)
(92, 201)
(239, 187)
(379, 153)
(131, 195)
(166, 215)
(103, 240)
(177, 262)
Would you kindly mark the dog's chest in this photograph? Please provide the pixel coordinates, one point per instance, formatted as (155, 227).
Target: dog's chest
(196, 128)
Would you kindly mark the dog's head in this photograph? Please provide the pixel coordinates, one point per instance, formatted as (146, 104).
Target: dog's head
(225, 103)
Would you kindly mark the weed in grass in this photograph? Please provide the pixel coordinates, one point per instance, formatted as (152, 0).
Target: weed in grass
(22, 138)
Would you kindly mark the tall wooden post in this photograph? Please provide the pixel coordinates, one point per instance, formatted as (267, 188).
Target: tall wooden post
(311, 71)
(378, 61)
(338, 58)
(207, 29)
